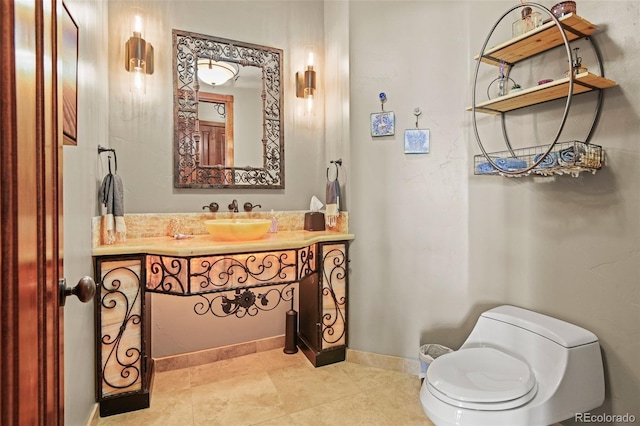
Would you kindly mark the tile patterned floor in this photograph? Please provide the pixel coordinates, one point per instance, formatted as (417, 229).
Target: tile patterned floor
(271, 388)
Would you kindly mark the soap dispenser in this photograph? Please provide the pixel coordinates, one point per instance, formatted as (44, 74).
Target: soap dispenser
(274, 223)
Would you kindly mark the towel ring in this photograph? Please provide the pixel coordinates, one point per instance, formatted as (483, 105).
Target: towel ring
(102, 149)
(337, 163)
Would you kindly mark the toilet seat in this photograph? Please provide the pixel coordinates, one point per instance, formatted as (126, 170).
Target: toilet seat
(481, 379)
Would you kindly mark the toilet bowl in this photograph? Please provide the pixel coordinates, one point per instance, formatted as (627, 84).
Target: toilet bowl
(516, 368)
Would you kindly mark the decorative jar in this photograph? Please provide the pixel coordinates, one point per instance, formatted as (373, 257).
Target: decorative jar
(563, 8)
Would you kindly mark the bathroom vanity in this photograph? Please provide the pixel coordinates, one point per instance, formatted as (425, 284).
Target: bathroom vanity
(230, 278)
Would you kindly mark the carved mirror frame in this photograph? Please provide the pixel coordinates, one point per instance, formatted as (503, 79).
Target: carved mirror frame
(188, 172)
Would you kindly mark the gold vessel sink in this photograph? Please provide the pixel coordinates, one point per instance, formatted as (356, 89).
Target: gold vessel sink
(237, 229)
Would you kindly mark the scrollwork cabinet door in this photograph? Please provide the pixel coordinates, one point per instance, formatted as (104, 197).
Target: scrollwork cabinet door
(323, 306)
(334, 271)
(123, 335)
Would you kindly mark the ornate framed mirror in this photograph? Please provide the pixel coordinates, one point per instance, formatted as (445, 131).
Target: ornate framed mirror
(229, 131)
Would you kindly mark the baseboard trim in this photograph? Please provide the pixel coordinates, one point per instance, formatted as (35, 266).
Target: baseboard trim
(192, 359)
(385, 362)
(94, 416)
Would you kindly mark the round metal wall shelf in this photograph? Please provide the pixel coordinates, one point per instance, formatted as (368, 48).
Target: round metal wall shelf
(562, 30)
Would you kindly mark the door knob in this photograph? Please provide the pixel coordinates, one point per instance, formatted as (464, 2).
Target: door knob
(84, 290)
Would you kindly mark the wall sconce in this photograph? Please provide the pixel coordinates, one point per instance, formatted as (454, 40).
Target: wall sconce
(216, 73)
(306, 83)
(138, 55)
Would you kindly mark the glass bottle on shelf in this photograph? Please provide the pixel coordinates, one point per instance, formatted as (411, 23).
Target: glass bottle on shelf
(530, 20)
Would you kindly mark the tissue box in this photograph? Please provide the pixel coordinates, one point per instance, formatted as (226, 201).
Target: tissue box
(314, 221)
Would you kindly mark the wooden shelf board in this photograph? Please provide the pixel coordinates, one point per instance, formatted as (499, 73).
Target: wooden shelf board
(537, 41)
(546, 92)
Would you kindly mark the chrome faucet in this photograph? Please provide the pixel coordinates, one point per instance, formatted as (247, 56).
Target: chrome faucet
(233, 207)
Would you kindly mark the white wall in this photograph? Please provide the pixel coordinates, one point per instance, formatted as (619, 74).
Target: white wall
(435, 245)
(83, 171)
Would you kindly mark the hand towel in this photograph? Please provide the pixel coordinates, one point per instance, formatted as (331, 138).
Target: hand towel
(549, 161)
(112, 197)
(572, 155)
(509, 164)
(333, 202)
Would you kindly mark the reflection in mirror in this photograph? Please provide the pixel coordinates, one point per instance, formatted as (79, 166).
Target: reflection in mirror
(228, 130)
(214, 141)
(241, 121)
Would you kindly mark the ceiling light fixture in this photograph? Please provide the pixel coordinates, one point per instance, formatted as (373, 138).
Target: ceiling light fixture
(217, 73)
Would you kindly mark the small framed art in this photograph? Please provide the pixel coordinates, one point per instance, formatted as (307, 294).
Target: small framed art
(416, 141)
(69, 78)
(383, 123)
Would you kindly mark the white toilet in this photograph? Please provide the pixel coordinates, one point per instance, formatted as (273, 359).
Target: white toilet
(516, 368)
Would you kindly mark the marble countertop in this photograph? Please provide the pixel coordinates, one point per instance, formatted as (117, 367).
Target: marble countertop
(202, 245)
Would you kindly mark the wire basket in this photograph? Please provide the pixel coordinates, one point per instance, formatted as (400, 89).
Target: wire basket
(573, 158)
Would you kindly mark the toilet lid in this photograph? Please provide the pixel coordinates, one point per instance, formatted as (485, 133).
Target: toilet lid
(483, 375)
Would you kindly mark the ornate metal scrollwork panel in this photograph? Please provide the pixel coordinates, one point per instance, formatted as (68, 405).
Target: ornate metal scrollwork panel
(334, 295)
(167, 274)
(120, 305)
(215, 273)
(306, 261)
(243, 302)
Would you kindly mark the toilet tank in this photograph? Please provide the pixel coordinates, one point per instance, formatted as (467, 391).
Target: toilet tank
(561, 332)
(520, 331)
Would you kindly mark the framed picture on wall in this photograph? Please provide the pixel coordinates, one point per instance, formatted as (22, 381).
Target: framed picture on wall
(416, 141)
(69, 56)
(383, 123)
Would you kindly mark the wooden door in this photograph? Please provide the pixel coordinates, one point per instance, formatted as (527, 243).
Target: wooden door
(31, 341)
(214, 145)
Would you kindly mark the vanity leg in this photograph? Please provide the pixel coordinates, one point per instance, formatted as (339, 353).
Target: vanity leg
(323, 307)
(124, 368)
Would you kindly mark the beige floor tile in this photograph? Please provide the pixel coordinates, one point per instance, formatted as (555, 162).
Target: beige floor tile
(278, 421)
(276, 359)
(275, 389)
(248, 364)
(167, 409)
(171, 381)
(243, 400)
(302, 387)
(366, 377)
(400, 401)
(133, 418)
(352, 410)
